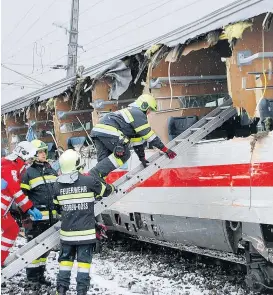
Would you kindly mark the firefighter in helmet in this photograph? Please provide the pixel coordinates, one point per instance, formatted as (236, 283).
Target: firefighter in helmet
(74, 196)
(37, 183)
(118, 130)
(11, 170)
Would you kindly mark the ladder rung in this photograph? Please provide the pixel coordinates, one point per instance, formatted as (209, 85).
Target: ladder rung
(224, 107)
(178, 140)
(129, 176)
(195, 129)
(209, 118)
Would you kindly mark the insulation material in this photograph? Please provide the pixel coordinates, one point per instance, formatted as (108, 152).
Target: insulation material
(50, 105)
(119, 76)
(152, 50)
(235, 31)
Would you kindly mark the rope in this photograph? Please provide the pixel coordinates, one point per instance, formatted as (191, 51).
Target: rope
(170, 83)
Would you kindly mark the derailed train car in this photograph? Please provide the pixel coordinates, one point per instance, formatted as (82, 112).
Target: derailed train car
(218, 195)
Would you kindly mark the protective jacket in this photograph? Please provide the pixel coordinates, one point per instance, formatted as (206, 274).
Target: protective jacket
(74, 196)
(37, 183)
(10, 172)
(130, 124)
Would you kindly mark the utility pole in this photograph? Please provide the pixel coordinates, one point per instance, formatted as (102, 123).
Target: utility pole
(73, 40)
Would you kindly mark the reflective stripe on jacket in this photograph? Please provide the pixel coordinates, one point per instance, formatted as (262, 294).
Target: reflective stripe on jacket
(76, 203)
(33, 184)
(130, 122)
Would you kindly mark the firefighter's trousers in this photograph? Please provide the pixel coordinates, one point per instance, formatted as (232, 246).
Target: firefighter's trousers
(36, 269)
(10, 230)
(66, 261)
(107, 161)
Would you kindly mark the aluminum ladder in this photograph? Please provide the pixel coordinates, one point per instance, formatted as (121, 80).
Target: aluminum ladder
(50, 238)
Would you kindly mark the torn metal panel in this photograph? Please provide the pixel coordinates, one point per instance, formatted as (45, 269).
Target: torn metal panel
(118, 75)
(160, 54)
(195, 46)
(142, 65)
(211, 39)
(268, 21)
(175, 53)
(81, 90)
(148, 55)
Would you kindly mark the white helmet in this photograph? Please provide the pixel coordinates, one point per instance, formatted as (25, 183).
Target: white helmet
(70, 161)
(25, 150)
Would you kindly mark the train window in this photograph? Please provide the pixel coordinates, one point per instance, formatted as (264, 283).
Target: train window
(202, 101)
(74, 126)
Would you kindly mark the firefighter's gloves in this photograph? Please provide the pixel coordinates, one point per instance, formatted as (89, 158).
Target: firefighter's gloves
(119, 150)
(100, 231)
(4, 184)
(144, 162)
(171, 154)
(35, 213)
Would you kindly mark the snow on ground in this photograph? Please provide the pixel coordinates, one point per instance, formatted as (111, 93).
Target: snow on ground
(119, 271)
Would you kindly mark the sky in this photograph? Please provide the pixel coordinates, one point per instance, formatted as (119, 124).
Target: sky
(31, 44)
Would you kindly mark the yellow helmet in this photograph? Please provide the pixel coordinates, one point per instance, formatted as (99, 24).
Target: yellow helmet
(146, 101)
(70, 161)
(40, 146)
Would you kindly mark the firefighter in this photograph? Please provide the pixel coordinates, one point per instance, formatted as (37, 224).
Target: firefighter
(74, 195)
(116, 130)
(37, 184)
(11, 167)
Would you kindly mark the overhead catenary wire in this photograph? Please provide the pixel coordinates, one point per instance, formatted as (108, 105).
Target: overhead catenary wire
(184, 31)
(119, 16)
(47, 34)
(116, 37)
(128, 22)
(33, 24)
(31, 44)
(29, 75)
(92, 6)
(25, 76)
(18, 23)
(26, 65)
(207, 17)
(22, 85)
(158, 39)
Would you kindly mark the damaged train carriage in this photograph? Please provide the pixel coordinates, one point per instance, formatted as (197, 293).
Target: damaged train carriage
(219, 194)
